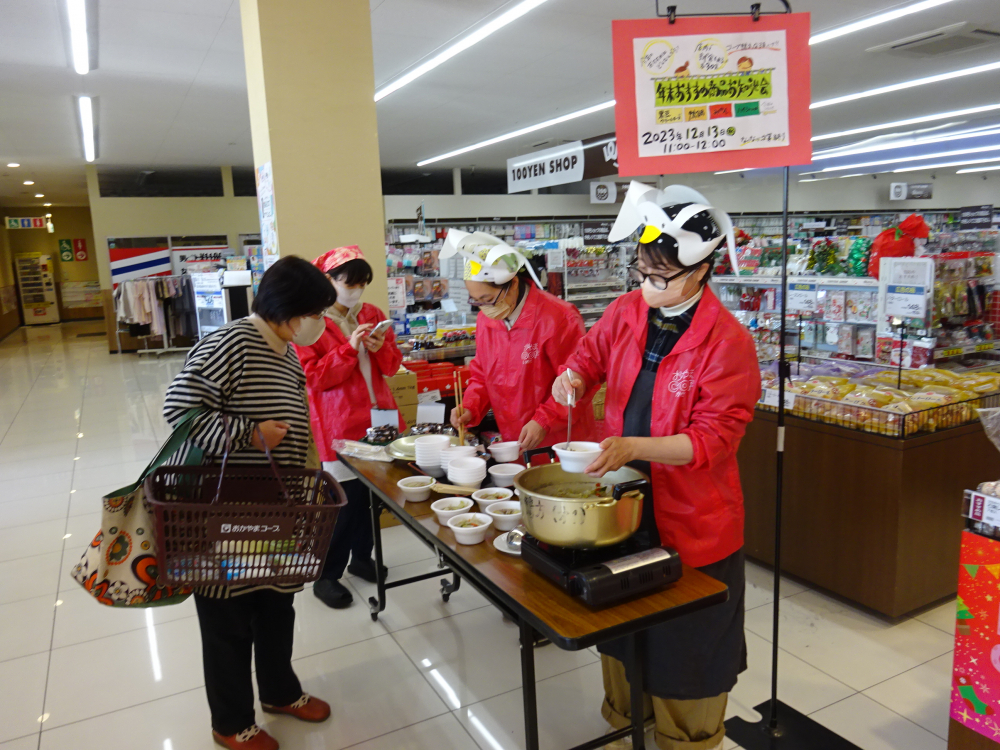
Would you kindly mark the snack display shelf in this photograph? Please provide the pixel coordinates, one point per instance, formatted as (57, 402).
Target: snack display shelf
(850, 282)
(445, 352)
(586, 310)
(837, 322)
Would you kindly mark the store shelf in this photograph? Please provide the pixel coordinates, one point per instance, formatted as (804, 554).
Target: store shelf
(950, 352)
(824, 281)
(445, 352)
(589, 310)
(840, 322)
(599, 295)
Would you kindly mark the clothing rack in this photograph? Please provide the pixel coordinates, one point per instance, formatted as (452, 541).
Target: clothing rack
(123, 289)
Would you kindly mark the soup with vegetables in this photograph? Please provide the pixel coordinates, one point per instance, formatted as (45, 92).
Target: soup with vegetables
(468, 523)
(578, 491)
(506, 511)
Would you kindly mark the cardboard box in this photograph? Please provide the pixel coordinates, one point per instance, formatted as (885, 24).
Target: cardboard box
(409, 413)
(404, 389)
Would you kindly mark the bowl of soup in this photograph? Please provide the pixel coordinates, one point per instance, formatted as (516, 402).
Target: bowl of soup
(506, 514)
(470, 528)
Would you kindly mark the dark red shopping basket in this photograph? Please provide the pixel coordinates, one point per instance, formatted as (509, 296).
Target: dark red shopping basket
(235, 525)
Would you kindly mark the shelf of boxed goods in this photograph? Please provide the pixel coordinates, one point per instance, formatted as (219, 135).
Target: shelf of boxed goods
(847, 282)
(595, 284)
(950, 352)
(610, 294)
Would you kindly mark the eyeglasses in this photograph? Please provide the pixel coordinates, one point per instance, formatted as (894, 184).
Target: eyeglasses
(658, 281)
(477, 303)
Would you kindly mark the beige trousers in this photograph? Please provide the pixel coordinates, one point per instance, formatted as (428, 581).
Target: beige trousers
(680, 725)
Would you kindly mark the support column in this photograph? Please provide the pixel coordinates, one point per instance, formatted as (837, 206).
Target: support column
(311, 86)
(456, 180)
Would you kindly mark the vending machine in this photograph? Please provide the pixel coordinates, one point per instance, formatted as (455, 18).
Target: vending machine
(36, 282)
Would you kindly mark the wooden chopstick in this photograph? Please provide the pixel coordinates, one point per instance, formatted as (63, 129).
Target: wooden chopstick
(458, 403)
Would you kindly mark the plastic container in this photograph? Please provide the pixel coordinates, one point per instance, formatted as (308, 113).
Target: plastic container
(473, 535)
(503, 474)
(442, 515)
(505, 452)
(416, 489)
(505, 521)
(578, 459)
(488, 496)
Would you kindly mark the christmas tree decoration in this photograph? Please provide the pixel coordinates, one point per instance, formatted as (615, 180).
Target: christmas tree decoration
(963, 617)
(857, 256)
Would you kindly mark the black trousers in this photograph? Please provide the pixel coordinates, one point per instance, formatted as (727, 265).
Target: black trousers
(261, 622)
(353, 536)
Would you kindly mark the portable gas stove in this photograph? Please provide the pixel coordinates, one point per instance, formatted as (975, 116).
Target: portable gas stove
(605, 576)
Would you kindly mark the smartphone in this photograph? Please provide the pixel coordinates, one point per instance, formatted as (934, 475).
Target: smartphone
(382, 327)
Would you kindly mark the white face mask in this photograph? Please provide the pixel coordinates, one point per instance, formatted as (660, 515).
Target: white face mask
(310, 330)
(348, 297)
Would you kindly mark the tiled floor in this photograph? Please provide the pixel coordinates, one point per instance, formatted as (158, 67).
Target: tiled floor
(76, 421)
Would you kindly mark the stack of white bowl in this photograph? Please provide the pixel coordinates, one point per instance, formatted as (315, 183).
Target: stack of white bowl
(458, 451)
(428, 449)
(467, 471)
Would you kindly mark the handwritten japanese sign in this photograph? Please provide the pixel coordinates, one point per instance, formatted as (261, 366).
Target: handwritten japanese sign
(711, 93)
(905, 301)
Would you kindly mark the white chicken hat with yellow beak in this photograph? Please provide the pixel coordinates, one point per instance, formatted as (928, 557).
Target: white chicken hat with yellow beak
(644, 207)
(487, 258)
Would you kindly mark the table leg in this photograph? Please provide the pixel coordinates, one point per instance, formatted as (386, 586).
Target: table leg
(528, 686)
(636, 683)
(450, 587)
(377, 603)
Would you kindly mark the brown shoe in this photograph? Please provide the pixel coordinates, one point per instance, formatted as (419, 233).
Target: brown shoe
(306, 708)
(252, 738)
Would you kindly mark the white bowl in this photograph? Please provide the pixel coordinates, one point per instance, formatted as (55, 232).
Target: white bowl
(459, 451)
(473, 483)
(489, 495)
(432, 441)
(416, 489)
(505, 522)
(443, 515)
(578, 459)
(434, 470)
(505, 452)
(468, 464)
(503, 474)
(470, 535)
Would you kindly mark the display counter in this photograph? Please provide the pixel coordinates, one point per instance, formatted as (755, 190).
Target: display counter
(873, 518)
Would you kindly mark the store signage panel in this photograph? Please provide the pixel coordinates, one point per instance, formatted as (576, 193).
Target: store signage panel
(802, 297)
(976, 217)
(397, 293)
(916, 191)
(706, 94)
(596, 232)
(80, 249)
(25, 222)
(603, 192)
(905, 301)
(561, 165)
(770, 398)
(66, 250)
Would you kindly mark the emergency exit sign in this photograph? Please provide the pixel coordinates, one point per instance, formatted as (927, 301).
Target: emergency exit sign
(25, 222)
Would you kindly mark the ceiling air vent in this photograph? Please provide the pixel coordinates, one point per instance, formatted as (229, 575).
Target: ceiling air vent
(947, 40)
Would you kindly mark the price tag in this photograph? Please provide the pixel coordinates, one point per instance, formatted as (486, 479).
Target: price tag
(397, 293)
(984, 347)
(905, 301)
(802, 297)
(430, 413)
(954, 352)
(771, 398)
(383, 417)
(984, 508)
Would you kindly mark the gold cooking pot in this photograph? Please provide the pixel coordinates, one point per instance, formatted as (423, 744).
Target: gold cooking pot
(579, 522)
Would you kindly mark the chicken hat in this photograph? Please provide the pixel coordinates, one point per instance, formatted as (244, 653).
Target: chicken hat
(487, 258)
(643, 207)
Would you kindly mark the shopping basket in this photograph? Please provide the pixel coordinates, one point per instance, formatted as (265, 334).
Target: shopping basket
(232, 525)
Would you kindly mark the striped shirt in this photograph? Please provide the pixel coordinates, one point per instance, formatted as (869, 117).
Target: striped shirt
(238, 372)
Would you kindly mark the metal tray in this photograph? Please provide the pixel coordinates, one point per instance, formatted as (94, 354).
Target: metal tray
(405, 450)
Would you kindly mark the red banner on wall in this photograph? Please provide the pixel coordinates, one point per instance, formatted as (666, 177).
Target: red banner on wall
(710, 94)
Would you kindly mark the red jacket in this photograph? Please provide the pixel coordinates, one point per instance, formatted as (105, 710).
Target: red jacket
(513, 370)
(706, 388)
(339, 406)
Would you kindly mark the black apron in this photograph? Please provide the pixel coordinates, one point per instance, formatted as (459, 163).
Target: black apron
(698, 655)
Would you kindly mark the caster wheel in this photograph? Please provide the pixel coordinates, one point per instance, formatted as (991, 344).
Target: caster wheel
(445, 597)
(374, 617)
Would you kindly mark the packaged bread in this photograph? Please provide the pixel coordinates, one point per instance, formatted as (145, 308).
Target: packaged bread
(833, 391)
(832, 380)
(870, 397)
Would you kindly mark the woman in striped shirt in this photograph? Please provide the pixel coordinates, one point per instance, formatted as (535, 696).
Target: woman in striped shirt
(248, 372)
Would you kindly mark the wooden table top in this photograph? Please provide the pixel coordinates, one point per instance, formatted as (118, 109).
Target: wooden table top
(564, 619)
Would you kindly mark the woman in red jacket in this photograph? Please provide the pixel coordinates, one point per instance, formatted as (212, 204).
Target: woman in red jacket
(345, 380)
(682, 384)
(523, 336)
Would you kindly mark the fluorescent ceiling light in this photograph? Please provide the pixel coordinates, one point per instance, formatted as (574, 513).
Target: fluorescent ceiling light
(908, 84)
(522, 131)
(46, 204)
(945, 164)
(39, 195)
(77, 12)
(939, 155)
(979, 169)
(836, 153)
(461, 45)
(904, 123)
(87, 127)
(734, 171)
(13, 164)
(29, 182)
(866, 23)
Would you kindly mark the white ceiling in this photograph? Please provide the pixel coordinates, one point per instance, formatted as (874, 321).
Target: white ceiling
(170, 80)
